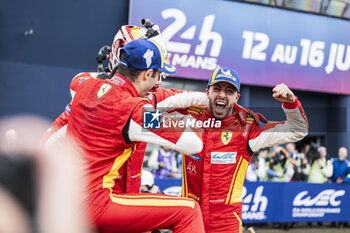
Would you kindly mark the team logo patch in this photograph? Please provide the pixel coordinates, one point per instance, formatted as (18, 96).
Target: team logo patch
(151, 120)
(148, 56)
(191, 168)
(223, 157)
(226, 137)
(118, 80)
(195, 157)
(103, 89)
(226, 74)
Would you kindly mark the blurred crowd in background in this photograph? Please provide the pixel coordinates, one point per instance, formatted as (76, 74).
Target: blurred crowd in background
(280, 163)
(312, 164)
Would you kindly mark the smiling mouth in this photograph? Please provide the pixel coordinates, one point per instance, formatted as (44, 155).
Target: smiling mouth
(220, 106)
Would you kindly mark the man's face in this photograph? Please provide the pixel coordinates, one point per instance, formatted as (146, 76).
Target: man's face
(222, 96)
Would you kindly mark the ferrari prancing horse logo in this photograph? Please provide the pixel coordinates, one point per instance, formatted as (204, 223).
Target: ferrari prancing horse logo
(103, 89)
(226, 137)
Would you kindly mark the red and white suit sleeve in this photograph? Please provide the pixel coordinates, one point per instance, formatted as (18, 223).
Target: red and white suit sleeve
(272, 133)
(183, 139)
(170, 99)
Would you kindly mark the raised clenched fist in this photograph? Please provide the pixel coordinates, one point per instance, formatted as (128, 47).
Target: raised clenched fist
(283, 94)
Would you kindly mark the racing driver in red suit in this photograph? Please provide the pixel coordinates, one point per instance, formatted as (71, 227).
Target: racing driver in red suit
(163, 98)
(215, 176)
(124, 35)
(107, 123)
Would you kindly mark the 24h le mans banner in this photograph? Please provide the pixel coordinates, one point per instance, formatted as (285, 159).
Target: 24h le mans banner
(264, 44)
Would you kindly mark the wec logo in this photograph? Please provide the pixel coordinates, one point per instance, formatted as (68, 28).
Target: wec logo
(223, 157)
(324, 198)
(182, 49)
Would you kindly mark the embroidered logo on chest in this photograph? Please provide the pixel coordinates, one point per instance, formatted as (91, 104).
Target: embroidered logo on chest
(223, 157)
(226, 137)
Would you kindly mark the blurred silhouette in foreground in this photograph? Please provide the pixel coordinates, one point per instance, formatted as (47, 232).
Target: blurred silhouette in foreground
(40, 190)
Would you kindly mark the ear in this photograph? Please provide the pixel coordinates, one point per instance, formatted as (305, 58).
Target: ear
(145, 75)
(149, 73)
(142, 76)
(207, 91)
(238, 95)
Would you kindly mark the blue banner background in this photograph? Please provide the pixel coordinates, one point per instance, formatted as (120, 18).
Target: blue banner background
(278, 202)
(271, 32)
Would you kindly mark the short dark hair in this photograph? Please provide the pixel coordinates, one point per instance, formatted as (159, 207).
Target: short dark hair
(128, 72)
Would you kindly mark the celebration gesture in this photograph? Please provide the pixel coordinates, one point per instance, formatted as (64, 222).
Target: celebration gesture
(283, 94)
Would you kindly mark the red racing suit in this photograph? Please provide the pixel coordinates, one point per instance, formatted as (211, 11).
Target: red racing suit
(163, 98)
(167, 99)
(105, 120)
(215, 176)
